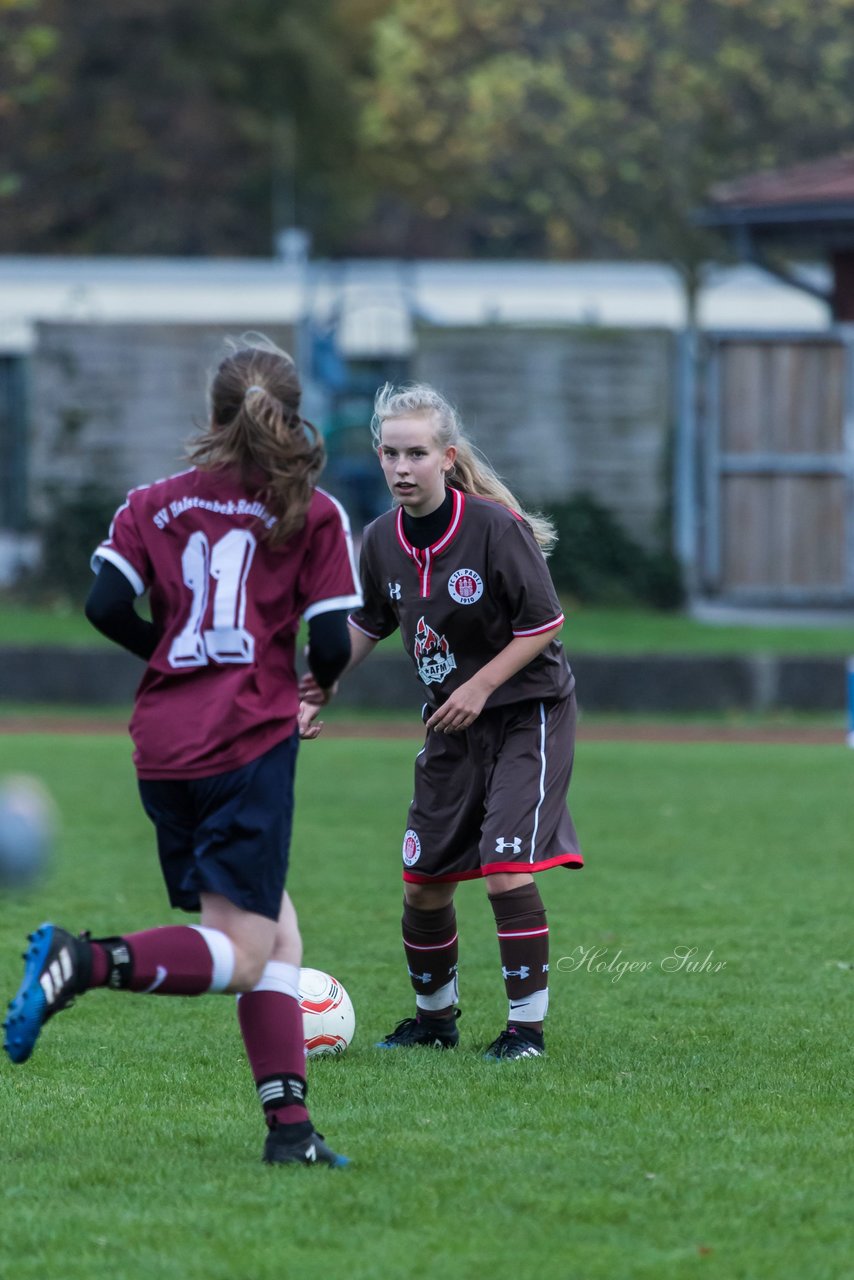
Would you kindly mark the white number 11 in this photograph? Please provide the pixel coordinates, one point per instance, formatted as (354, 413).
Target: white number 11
(228, 563)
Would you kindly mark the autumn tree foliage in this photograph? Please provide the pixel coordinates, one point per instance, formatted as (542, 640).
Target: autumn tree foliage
(565, 128)
(27, 44)
(180, 127)
(556, 128)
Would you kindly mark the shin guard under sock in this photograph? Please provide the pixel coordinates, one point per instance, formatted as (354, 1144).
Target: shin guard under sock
(523, 942)
(430, 944)
(272, 1029)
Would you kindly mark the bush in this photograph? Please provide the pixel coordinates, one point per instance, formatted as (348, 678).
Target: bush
(77, 524)
(598, 562)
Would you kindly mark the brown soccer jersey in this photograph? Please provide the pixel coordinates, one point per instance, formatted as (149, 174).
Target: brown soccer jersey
(462, 600)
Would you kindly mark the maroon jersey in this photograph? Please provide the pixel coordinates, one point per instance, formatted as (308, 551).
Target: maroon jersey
(220, 688)
(461, 601)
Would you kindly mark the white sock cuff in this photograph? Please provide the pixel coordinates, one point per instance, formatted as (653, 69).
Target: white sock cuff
(449, 994)
(222, 953)
(281, 977)
(532, 1009)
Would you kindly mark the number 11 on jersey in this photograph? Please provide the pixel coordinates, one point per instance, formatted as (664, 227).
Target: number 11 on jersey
(228, 563)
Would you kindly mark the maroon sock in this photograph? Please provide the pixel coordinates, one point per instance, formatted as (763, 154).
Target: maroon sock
(430, 943)
(100, 965)
(172, 961)
(272, 1030)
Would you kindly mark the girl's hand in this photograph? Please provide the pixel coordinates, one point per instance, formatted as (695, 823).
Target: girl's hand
(308, 724)
(462, 709)
(310, 691)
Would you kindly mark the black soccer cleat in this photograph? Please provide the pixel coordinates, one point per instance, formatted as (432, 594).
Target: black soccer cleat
(57, 969)
(308, 1150)
(431, 1033)
(517, 1042)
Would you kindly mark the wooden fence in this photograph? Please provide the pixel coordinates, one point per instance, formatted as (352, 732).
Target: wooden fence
(776, 465)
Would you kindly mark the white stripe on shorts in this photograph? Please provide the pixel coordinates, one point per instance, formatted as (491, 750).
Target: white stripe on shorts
(542, 782)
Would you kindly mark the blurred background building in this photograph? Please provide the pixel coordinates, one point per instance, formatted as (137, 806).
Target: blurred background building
(620, 237)
(574, 377)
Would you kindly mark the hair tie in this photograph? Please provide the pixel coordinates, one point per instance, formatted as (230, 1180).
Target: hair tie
(254, 387)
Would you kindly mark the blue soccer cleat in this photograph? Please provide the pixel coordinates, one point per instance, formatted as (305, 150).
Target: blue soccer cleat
(57, 969)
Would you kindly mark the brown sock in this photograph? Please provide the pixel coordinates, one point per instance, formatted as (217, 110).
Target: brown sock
(523, 942)
(430, 943)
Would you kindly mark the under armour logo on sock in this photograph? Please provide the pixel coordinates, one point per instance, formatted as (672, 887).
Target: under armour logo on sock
(521, 973)
(419, 977)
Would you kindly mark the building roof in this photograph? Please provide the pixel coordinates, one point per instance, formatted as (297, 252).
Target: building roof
(826, 181)
(372, 301)
(812, 202)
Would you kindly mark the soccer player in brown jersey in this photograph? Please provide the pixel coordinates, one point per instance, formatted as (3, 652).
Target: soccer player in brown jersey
(232, 553)
(460, 569)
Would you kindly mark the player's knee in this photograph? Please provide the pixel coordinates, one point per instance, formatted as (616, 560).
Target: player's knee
(429, 897)
(248, 969)
(288, 948)
(503, 881)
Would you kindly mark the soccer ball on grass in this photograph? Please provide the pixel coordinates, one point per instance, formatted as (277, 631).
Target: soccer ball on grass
(327, 1013)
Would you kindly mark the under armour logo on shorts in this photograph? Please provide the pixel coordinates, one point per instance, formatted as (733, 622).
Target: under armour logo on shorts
(502, 845)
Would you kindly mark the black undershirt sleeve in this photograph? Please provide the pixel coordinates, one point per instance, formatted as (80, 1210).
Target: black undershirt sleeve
(110, 609)
(328, 646)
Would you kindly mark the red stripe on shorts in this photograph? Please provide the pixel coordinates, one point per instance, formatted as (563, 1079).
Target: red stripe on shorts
(571, 860)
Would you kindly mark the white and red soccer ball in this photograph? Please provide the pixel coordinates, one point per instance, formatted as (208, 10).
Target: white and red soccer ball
(328, 1018)
(29, 823)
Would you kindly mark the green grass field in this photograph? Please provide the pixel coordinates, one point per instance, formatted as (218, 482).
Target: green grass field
(587, 630)
(685, 1123)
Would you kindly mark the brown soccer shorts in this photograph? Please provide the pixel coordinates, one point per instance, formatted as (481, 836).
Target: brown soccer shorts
(493, 798)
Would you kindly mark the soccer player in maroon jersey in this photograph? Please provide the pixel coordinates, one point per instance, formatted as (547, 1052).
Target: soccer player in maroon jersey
(233, 553)
(459, 567)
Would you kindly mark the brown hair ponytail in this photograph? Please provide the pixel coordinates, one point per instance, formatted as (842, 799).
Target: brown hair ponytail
(256, 426)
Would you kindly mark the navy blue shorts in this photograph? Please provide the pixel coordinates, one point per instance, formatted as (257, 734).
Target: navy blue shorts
(229, 834)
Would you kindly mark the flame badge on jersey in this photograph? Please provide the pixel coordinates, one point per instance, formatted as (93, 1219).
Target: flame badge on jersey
(433, 656)
(465, 586)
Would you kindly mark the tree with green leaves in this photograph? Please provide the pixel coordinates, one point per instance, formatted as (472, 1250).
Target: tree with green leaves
(183, 128)
(27, 45)
(564, 128)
